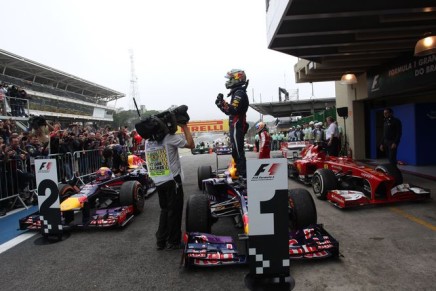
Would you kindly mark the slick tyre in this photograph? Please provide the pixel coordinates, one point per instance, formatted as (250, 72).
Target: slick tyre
(391, 170)
(198, 214)
(132, 193)
(302, 210)
(203, 172)
(323, 181)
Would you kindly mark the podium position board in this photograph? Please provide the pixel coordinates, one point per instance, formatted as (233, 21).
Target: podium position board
(268, 241)
(48, 197)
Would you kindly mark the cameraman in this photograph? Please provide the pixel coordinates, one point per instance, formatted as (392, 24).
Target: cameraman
(236, 110)
(164, 166)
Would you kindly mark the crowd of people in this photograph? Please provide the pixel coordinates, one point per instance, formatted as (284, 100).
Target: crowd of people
(19, 147)
(16, 98)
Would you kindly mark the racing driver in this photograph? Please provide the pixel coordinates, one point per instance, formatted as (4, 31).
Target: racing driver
(236, 110)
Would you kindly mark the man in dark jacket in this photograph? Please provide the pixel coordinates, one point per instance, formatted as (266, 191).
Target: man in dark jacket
(392, 130)
(236, 110)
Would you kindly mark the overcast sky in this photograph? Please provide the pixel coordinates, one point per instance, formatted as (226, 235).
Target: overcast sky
(182, 48)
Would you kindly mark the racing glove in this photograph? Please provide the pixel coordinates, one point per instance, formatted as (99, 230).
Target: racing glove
(219, 100)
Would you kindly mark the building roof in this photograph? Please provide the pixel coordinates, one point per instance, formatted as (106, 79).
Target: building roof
(299, 107)
(19, 67)
(347, 36)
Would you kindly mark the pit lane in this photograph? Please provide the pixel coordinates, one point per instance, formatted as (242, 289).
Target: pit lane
(382, 250)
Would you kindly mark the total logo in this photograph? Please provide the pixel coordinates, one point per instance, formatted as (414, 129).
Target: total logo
(265, 172)
(45, 167)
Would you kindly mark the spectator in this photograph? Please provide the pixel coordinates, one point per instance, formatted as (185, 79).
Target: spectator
(392, 131)
(332, 137)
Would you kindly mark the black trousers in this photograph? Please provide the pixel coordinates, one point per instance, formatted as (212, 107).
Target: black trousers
(237, 134)
(333, 148)
(171, 210)
(390, 153)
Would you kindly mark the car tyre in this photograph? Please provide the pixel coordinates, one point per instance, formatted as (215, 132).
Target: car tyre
(323, 181)
(203, 172)
(302, 209)
(198, 214)
(132, 193)
(391, 170)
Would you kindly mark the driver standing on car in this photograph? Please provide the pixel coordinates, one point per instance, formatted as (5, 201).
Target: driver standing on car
(236, 110)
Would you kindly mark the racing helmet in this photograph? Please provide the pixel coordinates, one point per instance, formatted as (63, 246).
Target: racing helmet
(235, 78)
(260, 126)
(134, 161)
(104, 174)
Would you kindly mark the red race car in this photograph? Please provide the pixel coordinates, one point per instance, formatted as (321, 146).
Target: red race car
(346, 183)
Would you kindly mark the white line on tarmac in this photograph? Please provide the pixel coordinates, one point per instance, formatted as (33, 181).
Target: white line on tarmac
(15, 241)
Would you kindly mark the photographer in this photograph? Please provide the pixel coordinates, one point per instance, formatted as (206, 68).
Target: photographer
(163, 163)
(236, 110)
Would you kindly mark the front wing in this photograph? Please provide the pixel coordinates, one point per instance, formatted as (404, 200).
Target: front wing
(205, 250)
(101, 218)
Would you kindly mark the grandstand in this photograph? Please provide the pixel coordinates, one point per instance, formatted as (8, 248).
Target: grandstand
(56, 95)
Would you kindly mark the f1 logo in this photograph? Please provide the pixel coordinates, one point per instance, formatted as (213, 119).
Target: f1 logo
(45, 167)
(272, 170)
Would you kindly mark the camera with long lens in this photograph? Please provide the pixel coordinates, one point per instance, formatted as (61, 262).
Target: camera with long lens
(156, 126)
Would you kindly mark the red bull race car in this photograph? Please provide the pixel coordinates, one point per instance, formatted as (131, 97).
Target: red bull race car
(106, 201)
(347, 183)
(224, 196)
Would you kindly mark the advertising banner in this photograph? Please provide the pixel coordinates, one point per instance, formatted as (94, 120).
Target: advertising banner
(207, 126)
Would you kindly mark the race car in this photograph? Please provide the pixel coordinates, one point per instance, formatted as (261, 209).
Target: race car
(224, 196)
(200, 149)
(223, 150)
(292, 150)
(346, 183)
(248, 147)
(107, 201)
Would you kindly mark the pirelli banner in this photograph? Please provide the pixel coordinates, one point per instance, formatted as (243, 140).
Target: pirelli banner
(207, 126)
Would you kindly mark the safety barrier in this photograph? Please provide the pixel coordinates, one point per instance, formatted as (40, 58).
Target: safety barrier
(16, 180)
(17, 177)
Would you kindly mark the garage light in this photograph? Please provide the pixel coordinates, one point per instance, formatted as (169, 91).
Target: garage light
(348, 79)
(425, 46)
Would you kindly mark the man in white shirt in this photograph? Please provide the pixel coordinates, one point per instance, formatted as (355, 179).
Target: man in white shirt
(332, 137)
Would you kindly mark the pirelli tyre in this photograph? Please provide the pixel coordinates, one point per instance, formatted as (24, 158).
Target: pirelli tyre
(198, 218)
(302, 210)
(65, 191)
(132, 193)
(203, 172)
(391, 170)
(323, 181)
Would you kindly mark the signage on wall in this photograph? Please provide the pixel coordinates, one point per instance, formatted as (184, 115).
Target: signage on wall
(404, 75)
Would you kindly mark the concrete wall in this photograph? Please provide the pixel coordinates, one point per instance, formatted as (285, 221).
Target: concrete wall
(350, 96)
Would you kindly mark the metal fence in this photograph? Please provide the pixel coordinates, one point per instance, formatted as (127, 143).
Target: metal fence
(17, 177)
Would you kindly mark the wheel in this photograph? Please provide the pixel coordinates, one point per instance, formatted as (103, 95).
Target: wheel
(132, 193)
(203, 172)
(323, 181)
(302, 210)
(391, 170)
(65, 191)
(198, 214)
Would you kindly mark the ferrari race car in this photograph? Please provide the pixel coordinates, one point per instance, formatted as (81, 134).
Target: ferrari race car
(224, 196)
(345, 183)
(107, 201)
(293, 149)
